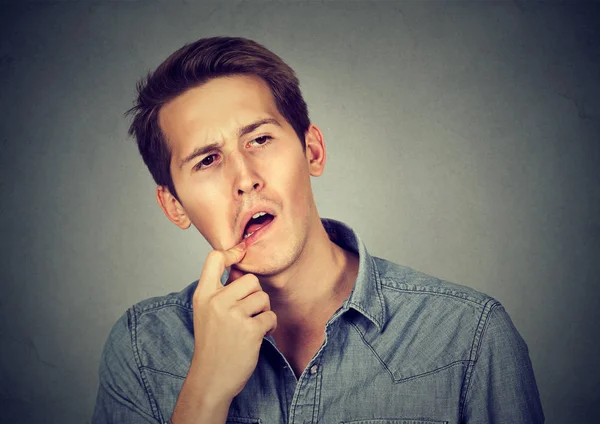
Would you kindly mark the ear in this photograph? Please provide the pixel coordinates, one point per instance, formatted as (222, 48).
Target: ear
(316, 154)
(172, 208)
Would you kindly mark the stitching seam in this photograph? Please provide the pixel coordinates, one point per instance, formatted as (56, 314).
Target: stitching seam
(162, 372)
(412, 377)
(478, 336)
(136, 354)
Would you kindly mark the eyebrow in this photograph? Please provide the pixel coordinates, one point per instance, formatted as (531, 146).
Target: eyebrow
(246, 129)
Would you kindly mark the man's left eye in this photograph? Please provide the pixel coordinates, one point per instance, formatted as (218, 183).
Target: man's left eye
(261, 140)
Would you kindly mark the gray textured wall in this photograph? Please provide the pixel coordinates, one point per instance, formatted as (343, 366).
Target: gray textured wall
(463, 140)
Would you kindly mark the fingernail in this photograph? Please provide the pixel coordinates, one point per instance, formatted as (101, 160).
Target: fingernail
(242, 245)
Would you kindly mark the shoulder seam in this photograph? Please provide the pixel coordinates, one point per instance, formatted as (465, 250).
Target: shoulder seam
(422, 290)
(131, 313)
(154, 307)
(482, 325)
(169, 301)
(175, 298)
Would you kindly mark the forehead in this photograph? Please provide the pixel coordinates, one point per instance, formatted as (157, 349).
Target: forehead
(217, 108)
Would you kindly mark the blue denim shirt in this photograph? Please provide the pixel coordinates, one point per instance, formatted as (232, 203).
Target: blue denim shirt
(403, 348)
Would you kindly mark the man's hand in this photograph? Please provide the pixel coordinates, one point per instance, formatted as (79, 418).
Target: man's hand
(229, 325)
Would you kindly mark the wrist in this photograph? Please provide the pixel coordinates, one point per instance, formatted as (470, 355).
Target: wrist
(198, 407)
(200, 400)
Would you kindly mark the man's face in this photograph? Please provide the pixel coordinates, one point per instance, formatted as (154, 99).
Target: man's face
(234, 155)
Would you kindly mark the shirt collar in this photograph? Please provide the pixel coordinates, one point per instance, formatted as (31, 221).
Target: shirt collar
(366, 297)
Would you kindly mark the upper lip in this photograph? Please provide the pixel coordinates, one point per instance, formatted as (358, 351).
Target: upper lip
(246, 216)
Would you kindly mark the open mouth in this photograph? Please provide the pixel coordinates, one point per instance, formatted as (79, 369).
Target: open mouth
(258, 221)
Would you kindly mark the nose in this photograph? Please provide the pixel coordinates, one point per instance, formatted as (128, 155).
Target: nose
(246, 178)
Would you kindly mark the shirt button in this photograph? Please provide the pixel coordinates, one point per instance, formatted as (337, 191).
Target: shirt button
(313, 369)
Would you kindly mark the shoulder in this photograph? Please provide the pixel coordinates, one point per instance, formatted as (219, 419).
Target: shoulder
(442, 309)
(151, 327)
(177, 300)
(438, 309)
(172, 304)
(417, 285)
(149, 347)
(436, 324)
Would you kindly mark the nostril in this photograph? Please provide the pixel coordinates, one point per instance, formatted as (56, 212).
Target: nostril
(247, 188)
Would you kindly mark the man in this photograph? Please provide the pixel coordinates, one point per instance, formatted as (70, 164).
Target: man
(291, 321)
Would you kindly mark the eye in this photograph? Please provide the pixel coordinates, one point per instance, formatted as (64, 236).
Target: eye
(261, 141)
(207, 161)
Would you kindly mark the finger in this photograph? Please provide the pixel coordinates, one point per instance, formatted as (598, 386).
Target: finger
(215, 264)
(241, 288)
(234, 274)
(234, 255)
(267, 322)
(254, 304)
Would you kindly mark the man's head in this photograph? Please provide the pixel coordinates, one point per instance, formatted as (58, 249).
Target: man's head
(195, 64)
(228, 143)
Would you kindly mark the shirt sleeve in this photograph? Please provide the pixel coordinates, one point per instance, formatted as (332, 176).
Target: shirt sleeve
(502, 387)
(122, 397)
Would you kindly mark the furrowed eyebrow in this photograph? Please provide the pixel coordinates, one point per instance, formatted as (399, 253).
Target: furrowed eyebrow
(200, 151)
(251, 127)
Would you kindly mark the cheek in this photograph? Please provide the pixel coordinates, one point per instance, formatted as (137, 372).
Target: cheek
(208, 210)
(214, 228)
(298, 183)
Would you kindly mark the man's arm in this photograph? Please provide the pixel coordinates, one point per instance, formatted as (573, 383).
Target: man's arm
(502, 387)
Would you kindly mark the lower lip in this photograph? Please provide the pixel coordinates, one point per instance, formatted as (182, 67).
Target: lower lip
(258, 233)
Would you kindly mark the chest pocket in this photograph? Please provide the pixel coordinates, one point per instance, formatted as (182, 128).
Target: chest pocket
(394, 421)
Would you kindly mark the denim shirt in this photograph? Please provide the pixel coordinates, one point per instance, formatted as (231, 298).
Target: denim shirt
(403, 348)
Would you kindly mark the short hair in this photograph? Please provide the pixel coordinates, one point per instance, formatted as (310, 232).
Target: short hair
(195, 64)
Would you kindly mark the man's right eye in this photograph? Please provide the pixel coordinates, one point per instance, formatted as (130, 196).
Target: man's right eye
(207, 161)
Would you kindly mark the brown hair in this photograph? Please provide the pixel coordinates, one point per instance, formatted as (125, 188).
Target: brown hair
(195, 64)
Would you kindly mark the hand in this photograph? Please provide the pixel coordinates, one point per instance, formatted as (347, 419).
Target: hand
(229, 325)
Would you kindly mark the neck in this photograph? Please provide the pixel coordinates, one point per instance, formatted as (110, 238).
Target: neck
(305, 295)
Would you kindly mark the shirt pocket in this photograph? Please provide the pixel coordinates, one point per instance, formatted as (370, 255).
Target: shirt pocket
(394, 421)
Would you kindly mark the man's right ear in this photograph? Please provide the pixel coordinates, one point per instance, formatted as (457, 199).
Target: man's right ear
(172, 208)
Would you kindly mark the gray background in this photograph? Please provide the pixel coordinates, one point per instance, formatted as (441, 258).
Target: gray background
(463, 141)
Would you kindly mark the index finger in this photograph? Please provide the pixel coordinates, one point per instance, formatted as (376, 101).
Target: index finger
(215, 264)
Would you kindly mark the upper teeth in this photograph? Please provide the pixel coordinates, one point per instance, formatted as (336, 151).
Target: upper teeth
(258, 214)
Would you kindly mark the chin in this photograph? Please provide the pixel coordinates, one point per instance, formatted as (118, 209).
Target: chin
(264, 265)
(258, 269)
